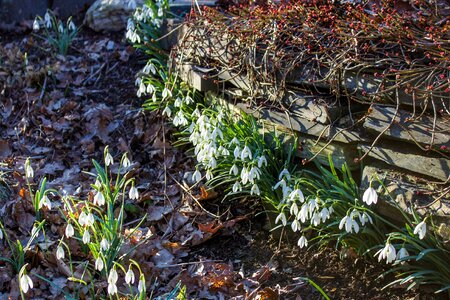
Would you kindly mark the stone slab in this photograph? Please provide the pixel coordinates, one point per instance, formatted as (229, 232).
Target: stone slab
(196, 79)
(438, 168)
(418, 131)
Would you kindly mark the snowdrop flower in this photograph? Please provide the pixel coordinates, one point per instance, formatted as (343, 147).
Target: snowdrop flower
(281, 183)
(237, 187)
(29, 172)
(104, 244)
(72, 26)
(141, 285)
(209, 175)
(254, 173)
(370, 196)
(294, 209)
(234, 170)
(99, 263)
(48, 21)
(188, 100)
(325, 214)
(36, 26)
(387, 252)
(25, 283)
(129, 276)
(217, 133)
(133, 194)
(160, 12)
(246, 152)
(1, 234)
(255, 190)
(285, 173)
(262, 161)
(295, 225)
(126, 162)
(297, 194)
(59, 252)
(86, 237)
(167, 112)
(90, 220)
(350, 224)
(60, 27)
(179, 119)
(315, 220)
(109, 160)
(177, 102)
(166, 93)
(302, 242)
(244, 176)
(112, 280)
(151, 90)
(45, 202)
(402, 253)
(69, 231)
(197, 176)
(303, 214)
(235, 141)
(421, 229)
(82, 218)
(237, 152)
(365, 218)
(99, 199)
(281, 217)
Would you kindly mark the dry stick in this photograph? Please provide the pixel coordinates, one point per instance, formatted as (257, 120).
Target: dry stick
(445, 192)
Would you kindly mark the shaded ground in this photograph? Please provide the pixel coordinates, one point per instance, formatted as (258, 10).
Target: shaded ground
(62, 112)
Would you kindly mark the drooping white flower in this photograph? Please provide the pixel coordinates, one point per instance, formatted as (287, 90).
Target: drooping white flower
(303, 214)
(48, 21)
(388, 253)
(177, 102)
(141, 285)
(129, 276)
(90, 219)
(302, 242)
(294, 209)
(99, 199)
(402, 253)
(188, 100)
(253, 174)
(255, 190)
(197, 176)
(86, 237)
(262, 161)
(234, 170)
(364, 218)
(126, 162)
(36, 26)
(1, 234)
(82, 218)
(104, 244)
(246, 153)
(285, 173)
(281, 183)
(237, 187)
(99, 264)
(45, 202)
(421, 229)
(133, 194)
(109, 160)
(237, 152)
(235, 141)
(60, 27)
(370, 196)
(167, 111)
(297, 194)
(281, 217)
(295, 225)
(69, 231)
(166, 93)
(209, 175)
(315, 220)
(112, 280)
(59, 252)
(29, 172)
(244, 176)
(72, 26)
(25, 283)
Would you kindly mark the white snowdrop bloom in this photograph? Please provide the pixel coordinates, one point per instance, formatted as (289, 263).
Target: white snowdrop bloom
(112, 280)
(29, 172)
(254, 173)
(141, 285)
(196, 113)
(234, 170)
(295, 225)
(281, 217)
(364, 218)
(60, 27)
(59, 252)
(109, 160)
(421, 229)
(82, 218)
(370, 196)
(237, 152)
(177, 102)
(47, 20)
(99, 264)
(223, 151)
(217, 133)
(188, 100)
(166, 93)
(303, 214)
(246, 153)
(388, 253)
(25, 283)
(237, 187)
(294, 209)
(72, 26)
(191, 129)
(45, 202)
(129, 276)
(313, 205)
(154, 97)
(36, 26)
(167, 112)
(160, 12)
(281, 183)
(1, 234)
(355, 226)
(324, 214)
(209, 175)
(197, 176)
(99, 199)
(244, 175)
(142, 89)
(104, 245)
(86, 237)
(255, 190)
(69, 230)
(133, 193)
(90, 219)
(302, 242)
(286, 192)
(262, 161)
(315, 220)
(284, 174)
(297, 194)
(235, 141)
(138, 81)
(126, 162)
(150, 89)
(402, 253)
